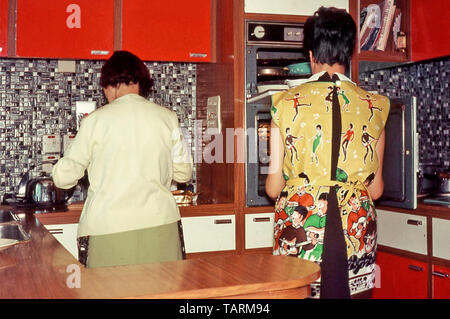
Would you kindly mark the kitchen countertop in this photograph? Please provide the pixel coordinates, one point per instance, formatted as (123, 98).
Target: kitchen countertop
(45, 269)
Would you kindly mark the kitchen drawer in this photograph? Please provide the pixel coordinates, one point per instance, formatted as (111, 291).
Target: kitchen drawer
(209, 233)
(402, 231)
(66, 234)
(259, 230)
(441, 238)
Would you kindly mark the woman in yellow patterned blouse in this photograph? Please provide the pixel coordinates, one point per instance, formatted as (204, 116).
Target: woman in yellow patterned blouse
(337, 162)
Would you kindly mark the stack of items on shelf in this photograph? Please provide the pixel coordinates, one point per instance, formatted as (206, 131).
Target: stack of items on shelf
(375, 25)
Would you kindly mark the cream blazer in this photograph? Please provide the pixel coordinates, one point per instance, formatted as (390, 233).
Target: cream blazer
(132, 150)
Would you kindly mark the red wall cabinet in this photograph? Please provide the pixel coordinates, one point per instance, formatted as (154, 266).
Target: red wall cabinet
(429, 29)
(158, 31)
(400, 278)
(82, 29)
(441, 282)
(3, 27)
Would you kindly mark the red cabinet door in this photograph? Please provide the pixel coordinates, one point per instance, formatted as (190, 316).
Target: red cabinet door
(400, 278)
(161, 30)
(441, 282)
(81, 29)
(429, 29)
(3, 27)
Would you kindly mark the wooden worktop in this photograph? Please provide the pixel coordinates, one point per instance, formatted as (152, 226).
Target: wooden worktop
(44, 269)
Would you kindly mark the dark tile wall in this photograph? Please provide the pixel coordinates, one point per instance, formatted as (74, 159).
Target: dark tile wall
(36, 99)
(429, 82)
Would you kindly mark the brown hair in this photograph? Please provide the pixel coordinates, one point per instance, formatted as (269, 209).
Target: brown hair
(125, 67)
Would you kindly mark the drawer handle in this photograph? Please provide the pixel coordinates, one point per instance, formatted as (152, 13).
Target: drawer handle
(99, 52)
(261, 219)
(56, 231)
(414, 222)
(222, 221)
(197, 55)
(440, 274)
(415, 268)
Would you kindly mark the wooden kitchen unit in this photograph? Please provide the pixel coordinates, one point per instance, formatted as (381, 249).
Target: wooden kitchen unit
(45, 269)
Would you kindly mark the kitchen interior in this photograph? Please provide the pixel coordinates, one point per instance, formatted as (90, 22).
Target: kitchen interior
(215, 66)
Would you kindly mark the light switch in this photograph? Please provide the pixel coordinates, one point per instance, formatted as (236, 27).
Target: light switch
(51, 144)
(213, 118)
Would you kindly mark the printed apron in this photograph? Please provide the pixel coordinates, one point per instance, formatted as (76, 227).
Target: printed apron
(324, 213)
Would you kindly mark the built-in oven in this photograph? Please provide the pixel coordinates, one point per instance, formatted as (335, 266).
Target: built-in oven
(274, 61)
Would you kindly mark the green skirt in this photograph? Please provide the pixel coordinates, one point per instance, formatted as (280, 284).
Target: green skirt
(142, 246)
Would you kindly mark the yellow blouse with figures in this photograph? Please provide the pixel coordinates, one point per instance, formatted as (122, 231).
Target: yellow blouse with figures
(303, 115)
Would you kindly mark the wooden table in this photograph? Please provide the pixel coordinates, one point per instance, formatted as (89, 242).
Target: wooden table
(45, 269)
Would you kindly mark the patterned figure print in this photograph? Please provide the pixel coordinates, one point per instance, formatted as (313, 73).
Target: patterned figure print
(369, 101)
(293, 238)
(329, 98)
(315, 229)
(290, 144)
(346, 139)
(341, 92)
(297, 104)
(367, 141)
(317, 140)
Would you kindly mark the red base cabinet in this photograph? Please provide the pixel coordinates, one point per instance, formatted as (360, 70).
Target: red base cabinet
(441, 282)
(400, 278)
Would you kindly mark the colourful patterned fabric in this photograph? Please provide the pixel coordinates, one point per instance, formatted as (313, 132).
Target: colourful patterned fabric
(303, 115)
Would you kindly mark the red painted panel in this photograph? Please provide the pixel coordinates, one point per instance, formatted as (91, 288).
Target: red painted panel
(157, 31)
(430, 27)
(3, 27)
(400, 278)
(441, 282)
(65, 28)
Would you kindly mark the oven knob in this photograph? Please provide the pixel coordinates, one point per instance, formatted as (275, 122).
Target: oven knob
(259, 31)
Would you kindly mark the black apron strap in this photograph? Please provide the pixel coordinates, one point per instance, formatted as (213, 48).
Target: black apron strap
(334, 267)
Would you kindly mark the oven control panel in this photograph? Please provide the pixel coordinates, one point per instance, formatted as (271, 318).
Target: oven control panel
(285, 33)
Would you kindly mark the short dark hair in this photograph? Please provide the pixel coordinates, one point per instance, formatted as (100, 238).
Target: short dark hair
(125, 67)
(330, 34)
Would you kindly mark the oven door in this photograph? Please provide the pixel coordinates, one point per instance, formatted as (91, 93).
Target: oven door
(258, 153)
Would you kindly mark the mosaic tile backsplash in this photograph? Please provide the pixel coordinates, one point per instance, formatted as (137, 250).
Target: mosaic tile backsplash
(429, 82)
(36, 99)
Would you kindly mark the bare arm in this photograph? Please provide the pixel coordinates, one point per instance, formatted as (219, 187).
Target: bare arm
(377, 186)
(275, 181)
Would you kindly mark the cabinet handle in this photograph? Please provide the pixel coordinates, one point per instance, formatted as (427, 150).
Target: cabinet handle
(222, 221)
(414, 222)
(99, 52)
(197, 55)
(261, 219)
(56, 231)
(415, 268)
(440, 274)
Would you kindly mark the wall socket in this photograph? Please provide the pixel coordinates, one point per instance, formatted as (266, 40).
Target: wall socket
(51, 144)
(213, 118)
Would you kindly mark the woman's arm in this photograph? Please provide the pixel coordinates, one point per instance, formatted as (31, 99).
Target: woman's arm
(275, 181)
(377, 186)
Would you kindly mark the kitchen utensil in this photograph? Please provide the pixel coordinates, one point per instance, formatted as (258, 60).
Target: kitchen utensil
(443, 183)
(272, 71)
(302, 68)
(40, 191)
